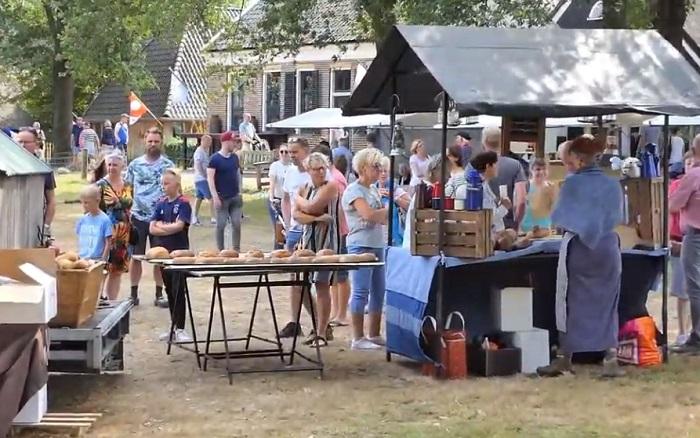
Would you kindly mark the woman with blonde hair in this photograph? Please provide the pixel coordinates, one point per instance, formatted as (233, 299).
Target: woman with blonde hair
(316, 208)
(418, 162)
(116, 198)
(366, 218)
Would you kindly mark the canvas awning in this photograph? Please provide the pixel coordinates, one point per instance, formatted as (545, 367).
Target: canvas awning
(330, 118)
(544, 72)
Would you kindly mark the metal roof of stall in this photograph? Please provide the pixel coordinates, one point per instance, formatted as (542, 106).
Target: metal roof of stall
(543, 72)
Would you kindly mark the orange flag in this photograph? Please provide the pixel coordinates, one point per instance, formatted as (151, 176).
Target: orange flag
(136, 108)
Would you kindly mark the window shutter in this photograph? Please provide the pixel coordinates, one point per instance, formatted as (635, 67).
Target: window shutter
(290, 94)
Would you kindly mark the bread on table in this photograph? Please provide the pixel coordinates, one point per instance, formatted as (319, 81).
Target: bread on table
(538, 233)
(280, 254)
(366, 257)
(255, 254)
(81, 264)
(326, 252)
(233, 260)
(304, 253)
(182, 253)
(158, 252)
(208, 253)
(228, 253)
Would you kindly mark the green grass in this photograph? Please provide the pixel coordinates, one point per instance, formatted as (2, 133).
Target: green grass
(68, 187)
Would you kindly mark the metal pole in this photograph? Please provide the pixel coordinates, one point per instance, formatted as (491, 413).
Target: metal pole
(392, 163)
(664, 241)
(441, 212)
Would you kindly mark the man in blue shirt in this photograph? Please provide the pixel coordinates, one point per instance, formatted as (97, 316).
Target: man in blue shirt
(121, 132)
(342, 150)
(144, 174)
(75, 132)
(224, 176)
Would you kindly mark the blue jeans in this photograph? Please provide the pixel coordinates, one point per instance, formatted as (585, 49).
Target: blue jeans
(273, 218)
(368, 284)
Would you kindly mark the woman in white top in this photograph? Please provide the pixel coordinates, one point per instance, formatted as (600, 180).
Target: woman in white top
(278, 170)
(454, 156)
(419, 162)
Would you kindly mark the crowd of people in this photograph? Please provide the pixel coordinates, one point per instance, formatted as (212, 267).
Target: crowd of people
(329, 198)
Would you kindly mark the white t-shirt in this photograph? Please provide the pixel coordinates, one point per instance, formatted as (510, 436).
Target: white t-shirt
(278, 170)
(293, 181)
(677, 146)
(201, 162)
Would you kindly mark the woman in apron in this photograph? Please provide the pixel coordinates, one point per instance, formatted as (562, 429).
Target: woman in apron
(316, 208)
(590, 264)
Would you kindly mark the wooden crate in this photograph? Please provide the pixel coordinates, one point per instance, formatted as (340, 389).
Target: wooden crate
(78, 291)
(467, 233)
(645, 201)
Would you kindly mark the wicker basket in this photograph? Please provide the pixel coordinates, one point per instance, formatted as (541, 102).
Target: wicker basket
(78, 291)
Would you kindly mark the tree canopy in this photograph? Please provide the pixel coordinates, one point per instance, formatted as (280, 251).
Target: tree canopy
(62, 51)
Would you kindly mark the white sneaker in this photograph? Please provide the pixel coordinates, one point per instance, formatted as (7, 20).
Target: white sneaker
(165, 336)
(681, 339)
(181, 337)
(364, 344)
(212, 221)
(377, 340)
(195, 220)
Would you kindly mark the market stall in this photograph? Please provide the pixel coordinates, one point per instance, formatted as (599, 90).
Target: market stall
(526, 73)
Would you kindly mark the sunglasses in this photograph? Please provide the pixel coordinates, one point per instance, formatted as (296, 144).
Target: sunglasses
(284, 152)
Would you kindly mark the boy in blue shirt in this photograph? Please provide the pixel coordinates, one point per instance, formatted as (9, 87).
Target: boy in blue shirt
(169, 226)
(94, 229)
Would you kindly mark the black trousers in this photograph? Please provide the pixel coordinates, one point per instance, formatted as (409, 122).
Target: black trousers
(176, 298)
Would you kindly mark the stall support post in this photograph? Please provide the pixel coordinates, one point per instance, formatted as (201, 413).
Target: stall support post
(184, 152)
(392, 164)
(441, 212)
(664, 241)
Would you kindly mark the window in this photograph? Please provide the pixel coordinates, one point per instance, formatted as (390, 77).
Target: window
(235, 106)
(341, 87)
(272, 103)
(308, 91)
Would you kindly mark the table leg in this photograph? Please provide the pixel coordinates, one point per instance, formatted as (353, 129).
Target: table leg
(388, 356)
(306, 289)
(252, 316)
(225, 334)
(175, 285)
(211, 319)
(296, 334)
(194, 329)
(274, 317)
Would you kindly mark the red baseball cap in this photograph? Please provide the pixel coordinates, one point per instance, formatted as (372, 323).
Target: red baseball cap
(230, 136)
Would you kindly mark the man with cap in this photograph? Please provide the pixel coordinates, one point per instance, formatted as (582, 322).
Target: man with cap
(224, 178)
(463, 140)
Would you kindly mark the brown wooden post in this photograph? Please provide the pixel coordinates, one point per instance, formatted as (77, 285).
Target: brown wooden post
(83, 163)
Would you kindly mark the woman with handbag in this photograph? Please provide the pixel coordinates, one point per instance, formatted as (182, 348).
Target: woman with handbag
(116, 198)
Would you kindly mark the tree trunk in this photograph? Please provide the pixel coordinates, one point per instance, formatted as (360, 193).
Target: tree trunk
(63, 89)
(669, 19)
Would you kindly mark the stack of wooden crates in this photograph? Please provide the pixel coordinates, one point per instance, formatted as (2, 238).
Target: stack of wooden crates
(467, 233)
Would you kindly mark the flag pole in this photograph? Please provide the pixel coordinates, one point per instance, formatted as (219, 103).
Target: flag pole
(154, 116)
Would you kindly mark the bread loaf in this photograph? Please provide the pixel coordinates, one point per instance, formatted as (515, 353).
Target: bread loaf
(326, 259)
(64, 264)
(81, 264)
(182, 253)
(68, 255)
(158, 252)
(304, 253)
(208, 254)
(280, 254)
(325, 252)
(255, 254)
(229, 253)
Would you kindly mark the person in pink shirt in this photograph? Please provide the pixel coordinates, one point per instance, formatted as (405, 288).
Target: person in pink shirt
(678, 287)
(685, 199)
(340, 289)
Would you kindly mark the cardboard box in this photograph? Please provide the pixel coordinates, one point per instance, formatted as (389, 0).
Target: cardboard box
(488, 363)
(512, 309)
(33, 299)
(34, 410)
(534, 345)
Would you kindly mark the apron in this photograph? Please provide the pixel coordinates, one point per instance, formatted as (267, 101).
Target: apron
(562, 283)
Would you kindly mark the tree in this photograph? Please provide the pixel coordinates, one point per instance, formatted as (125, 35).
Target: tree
(666, 16)
(284, 26)
(63, 49)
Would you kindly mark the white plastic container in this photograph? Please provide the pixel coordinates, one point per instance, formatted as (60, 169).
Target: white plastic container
(34, 410)
(534, 346)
